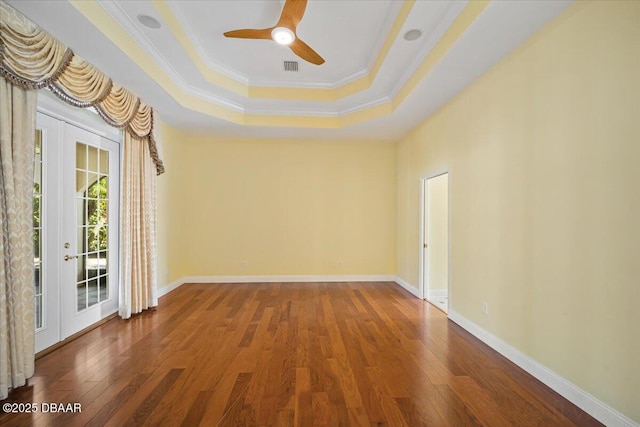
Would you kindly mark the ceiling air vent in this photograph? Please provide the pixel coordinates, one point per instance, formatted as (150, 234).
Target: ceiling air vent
(291, 65)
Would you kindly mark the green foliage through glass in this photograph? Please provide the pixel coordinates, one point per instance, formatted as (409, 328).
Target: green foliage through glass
(97, 214)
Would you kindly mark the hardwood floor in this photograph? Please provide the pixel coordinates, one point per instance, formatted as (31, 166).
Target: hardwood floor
(308, 354)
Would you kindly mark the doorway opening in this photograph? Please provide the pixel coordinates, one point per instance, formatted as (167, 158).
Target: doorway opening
(435, 240)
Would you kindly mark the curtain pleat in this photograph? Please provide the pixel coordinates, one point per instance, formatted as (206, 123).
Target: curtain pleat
(142, 120)
(17, 319)
(30, 52)
(121, 105)
(84, 82)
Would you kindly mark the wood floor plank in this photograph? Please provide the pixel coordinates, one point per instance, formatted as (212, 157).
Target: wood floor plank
(389, 406)
(288, 354)
(320, 409)
(453, 409)
(197, 409)
(238, 412)
(479, 403)
(303, 415)
(143, 411)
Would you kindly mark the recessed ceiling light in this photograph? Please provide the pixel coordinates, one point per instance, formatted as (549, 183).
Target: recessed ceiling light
(283, 35)
(149, 21)
(412, 35)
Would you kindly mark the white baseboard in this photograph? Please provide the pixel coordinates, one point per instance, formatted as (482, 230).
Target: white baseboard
(407, 286)
(170, 287)
(437, 293)
(271, 279)
(588, 403)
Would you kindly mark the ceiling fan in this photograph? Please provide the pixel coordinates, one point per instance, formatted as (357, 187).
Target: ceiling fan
(284, 32)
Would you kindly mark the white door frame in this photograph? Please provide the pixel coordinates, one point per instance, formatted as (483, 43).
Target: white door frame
(54, 110)
(422, 286)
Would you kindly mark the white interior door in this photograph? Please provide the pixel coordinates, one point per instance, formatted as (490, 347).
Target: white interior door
(46, 230)
(76, 203)
(89, 274)
(435, 251)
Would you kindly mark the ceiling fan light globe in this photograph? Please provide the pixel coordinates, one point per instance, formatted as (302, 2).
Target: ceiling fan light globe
(283, 35)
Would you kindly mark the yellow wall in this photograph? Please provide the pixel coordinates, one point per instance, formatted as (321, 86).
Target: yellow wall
(285, 207)
(438, 232)
(544, 155)
(170, 189)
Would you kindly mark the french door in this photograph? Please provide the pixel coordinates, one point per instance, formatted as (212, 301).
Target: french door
(76, 203)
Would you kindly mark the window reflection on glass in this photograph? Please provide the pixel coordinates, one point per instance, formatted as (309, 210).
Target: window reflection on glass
(93, 159)
(81, 157)
(92, 203)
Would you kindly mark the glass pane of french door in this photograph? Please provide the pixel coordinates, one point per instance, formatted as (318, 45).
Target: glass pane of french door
(92, 216)
(37, 229)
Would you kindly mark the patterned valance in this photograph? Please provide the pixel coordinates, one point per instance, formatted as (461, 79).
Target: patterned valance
(32, 59)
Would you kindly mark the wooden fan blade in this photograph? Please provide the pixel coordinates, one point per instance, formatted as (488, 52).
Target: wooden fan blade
(250, 34)
(292, 13)
(303, 50)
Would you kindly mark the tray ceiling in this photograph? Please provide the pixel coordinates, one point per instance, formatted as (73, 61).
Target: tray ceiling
(374, 85)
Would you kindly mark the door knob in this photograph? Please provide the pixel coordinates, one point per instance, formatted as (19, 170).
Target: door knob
(70, 257)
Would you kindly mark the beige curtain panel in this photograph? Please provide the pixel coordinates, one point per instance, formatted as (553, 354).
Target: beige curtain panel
(32, 59)
(17, 144)
(137, 230)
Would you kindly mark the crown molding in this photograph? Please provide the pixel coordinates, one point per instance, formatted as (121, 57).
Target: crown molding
(366, 105)
(291, 112)
(389, 21)
(129, 26)
(312, 85)
(318, 113)
(449, 17)
(195, 41)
